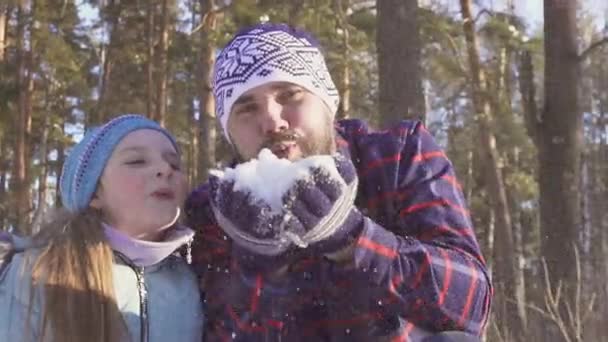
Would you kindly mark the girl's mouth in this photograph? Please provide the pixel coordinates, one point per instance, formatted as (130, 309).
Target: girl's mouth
(164, 194)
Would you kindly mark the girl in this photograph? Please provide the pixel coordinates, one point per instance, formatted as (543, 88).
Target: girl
(106, 269)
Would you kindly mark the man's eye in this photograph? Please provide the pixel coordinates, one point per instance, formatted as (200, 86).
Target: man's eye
(246, 109)
(290, 94)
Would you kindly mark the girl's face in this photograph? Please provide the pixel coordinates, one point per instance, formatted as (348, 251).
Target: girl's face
(142, 186)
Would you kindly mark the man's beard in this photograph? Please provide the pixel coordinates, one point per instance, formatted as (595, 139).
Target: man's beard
(320, 143)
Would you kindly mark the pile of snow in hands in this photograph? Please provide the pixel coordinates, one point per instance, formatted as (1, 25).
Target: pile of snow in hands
(268, 178)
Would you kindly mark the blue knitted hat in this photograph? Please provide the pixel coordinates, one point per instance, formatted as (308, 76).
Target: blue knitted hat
(87, 159)
(270, 53)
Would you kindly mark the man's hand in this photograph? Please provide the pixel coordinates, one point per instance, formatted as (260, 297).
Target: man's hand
(318, 215)
(255, 230)
(320, 209)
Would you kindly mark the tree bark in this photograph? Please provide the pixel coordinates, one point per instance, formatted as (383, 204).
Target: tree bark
(519, 281)
(470, 178)
(598, 187)
(161, 70)
(294, 12)
(527, 90)
(42, 178)
(150, 40)
(601, 203)
(604, 270)
(194, 146)
(559, 147)
(22, 122)
(501, 102)
(340, 7)
(399, 72)
(192, 94)
(4, 171)
(207, 123)
(3, 31)
(59, 163)
(113, 11)
(505, 269)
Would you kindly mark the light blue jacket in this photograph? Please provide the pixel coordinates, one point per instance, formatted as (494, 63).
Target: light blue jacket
(159, 303)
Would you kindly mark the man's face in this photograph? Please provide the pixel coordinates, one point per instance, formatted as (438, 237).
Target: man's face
(286, 118)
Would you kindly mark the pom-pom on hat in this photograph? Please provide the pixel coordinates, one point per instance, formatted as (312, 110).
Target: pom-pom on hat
(270, 53)
(87, 159)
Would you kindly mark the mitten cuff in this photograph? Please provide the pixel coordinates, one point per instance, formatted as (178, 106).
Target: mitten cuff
(344, 236)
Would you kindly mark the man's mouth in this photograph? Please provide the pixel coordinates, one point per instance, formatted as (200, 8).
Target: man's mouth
(283, 149)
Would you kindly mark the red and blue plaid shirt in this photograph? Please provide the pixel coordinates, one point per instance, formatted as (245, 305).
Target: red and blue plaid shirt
(417, 263)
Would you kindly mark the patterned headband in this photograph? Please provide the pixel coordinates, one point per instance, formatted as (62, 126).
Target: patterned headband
(270, 53)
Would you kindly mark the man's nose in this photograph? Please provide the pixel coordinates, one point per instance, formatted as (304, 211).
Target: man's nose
(273, 118)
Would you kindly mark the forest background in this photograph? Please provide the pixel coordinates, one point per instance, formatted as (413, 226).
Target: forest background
(515, 91)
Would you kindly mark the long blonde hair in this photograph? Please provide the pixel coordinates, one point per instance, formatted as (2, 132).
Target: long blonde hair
(73, 265)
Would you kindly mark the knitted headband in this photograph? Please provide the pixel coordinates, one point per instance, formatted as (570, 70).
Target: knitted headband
(87, 159)
(270, 53)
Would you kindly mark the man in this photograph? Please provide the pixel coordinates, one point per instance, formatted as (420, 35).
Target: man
(401, 263)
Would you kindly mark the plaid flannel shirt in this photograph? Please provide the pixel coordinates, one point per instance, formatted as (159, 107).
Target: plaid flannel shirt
(417, 263)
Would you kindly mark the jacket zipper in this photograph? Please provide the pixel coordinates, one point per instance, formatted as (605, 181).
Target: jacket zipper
(143, 305)
(143, 298)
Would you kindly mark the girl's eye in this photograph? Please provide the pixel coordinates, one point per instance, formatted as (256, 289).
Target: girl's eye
(176, 166)
(135, 162)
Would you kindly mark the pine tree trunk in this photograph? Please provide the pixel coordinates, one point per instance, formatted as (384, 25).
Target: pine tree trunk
(161, 70)
(3, 31)
(4, 171)
(590, 230)
(489, 241)
(601, 203)
(192, 89)
(527, 91)
(344, 109)
(399, 72)
(559, 148)
(59, 163)
(488, 247)
(294, 12)
(206, 100)
(106, 73)
(604, 270)
(502, 103)
(340, 7)
(5, 204)
(22, 121)
(42, 178)
(194, 146)
(113, 11)
(505, 269)
(598, 167)
(519, 281)
(150, 39)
